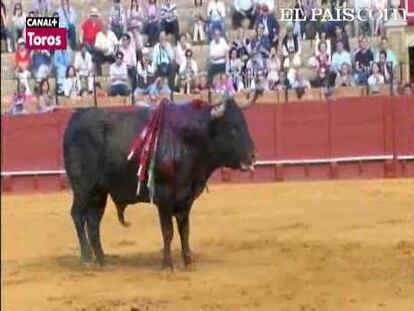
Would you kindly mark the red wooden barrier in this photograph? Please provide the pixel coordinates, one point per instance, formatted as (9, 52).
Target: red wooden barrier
(358, 138)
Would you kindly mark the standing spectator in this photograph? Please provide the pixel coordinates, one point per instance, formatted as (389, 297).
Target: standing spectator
(163, 59)
(61, 60)
(130, 59)
(216, 14)
(41, 62)
(42, 7)
(322, 37)
(90, 29)
(188, 72)
(137, 40)
(344, 78)
(135, 15)
(362, 25)
(260, 42)
(376, 79)
(45, 100)
(169, 19)
(72, 85)
(118, 77)
(386, 67)
(199, 21)
(363, 61)
(84, 68)
(299, 19)
(117, 18)
(152, 28)
(68, 20)
(234, 69)
(338, 58)
(383, 45)
(144, 69)
(18, 101)
(159, 89)
(291, 44)
(217, 55)
(271, 26)
(106, 45)
(243, 9)
(22, 56)
(4, 33)
(377, 21)
(18, 23)
(273, 67)
(309, 26)
(242, 44)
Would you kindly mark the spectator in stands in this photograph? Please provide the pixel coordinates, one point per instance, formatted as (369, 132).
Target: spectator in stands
(118, 77)
(377, 21)
(72, 85)
(299, 18)
(344, 78)
(42, 7)
(135, 15)
(255, 64)
(223, 84)
(23, 76)
(84, 68)
(68, 20)
(152, 28)
(300, 83)
(260, 82)
(130, 59)
(261, 43)
(273, 67)
(376, 79)
(309, 27)
(137, 40)
(324, 19)
(243, 9)
(383, 45)
(198, 21)
(90, 29)
(4, 31)
(117, 18)
(45, 100)
(203, 84)
(290, 65)
(406, 90)
(18, 23)
(61, 61)
(363, 61)
(271, 26)
(323, 57)
(283, 83)
(362, 25)
(269, 3)
(341, 36)
(163, 59)
(322, 37)
(338, 58)
(217, 55)
(234, 69)
(182, 46)
(19, 101)
(386, 67)
(291, 44)
(145, 69)
(169, 19)
(159, 89)
(188, 72)
(242, 44)
(22, 56)
(322, 79)
(106, 45)
(41, 62)
(216, 14)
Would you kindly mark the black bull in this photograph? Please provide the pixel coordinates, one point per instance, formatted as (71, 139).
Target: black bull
(194, 141)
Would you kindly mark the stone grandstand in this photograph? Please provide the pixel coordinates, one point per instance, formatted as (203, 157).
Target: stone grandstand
(8, 83)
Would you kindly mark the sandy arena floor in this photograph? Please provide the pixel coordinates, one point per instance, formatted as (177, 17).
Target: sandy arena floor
(292, 246)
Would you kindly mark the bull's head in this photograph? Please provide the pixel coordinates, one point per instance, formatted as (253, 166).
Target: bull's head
(231, 142)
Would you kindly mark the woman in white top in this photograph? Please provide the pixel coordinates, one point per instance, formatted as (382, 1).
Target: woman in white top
(188, 72)
(135, 14)
(273, 68)
(182, 46)
(71, 85)
(376, 79)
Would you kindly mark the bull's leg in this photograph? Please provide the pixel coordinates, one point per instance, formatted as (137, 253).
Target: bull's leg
(167, 230)
(93, 222)
(78, 213)
(183, 223)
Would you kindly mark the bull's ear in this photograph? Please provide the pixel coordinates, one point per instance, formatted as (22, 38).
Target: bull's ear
(217, 111)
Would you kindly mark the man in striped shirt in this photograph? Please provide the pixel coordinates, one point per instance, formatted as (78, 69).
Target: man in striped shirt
(169, 19)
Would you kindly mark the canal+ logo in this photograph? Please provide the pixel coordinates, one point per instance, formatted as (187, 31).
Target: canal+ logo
(43, 33)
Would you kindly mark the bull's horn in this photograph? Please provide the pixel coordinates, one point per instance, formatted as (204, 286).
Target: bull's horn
(217, 111)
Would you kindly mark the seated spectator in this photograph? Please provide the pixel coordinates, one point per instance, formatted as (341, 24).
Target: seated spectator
(322, 79)
(309, 27)
(18, 23)
(259, 82)
(383, 45)
(84, 68)
(256, 63)
(68, 20)
(339, 57)
(271, 26)
(243, 9)
(152, 28)
(377, 21)
(23, 76)
(322, 37)
(135, 15)
(61, 61)
(45, 100)
(223, 84)
(406, 90)
(71, 86)
(283, 84)
(300, 83)
(217, 55)
(324, 20)
(117, 18)
(106, 45)
(362, 25)
(234, 69)
(188, 72)
(376, 79)
(137, 40)
(145, 70)
(242, 44)
(163, 59)
(90, 29)
(344, 78)
(261, 43)
(41, 62)
(290, 65)
(22, 56)
(130, 59)
(198, 21)
(169, 19)
(341, 36)
(203, 84)
(273, 67)
(291, 44)
(386, 67)
(159, 89)
(18, 101)
(363, 61)
(42, 7)
(118, 77)
(216, 14)
(322, 57)
(182, 46)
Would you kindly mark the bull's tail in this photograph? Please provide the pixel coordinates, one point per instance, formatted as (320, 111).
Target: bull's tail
(121, 209)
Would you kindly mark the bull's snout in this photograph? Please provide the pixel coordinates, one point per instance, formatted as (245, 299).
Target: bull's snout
(248, 164)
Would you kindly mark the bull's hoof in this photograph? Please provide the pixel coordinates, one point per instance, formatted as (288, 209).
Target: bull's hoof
(167, 265)
(126, 224)
(188, 262)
